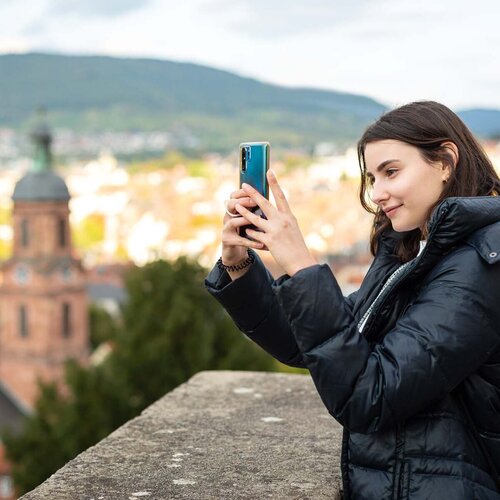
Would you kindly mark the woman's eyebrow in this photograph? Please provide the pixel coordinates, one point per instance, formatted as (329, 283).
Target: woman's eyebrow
(382, 165)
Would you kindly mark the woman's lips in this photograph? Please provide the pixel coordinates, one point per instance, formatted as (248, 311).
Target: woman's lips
(392, 211)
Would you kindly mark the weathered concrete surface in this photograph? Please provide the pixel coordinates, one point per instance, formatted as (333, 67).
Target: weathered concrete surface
(221, 435)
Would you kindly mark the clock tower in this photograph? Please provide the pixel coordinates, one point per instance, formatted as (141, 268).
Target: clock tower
(43, 298)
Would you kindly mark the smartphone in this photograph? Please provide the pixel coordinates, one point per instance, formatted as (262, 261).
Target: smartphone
(254, 164)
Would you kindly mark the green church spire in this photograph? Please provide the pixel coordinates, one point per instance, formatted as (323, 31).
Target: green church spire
(42, 139)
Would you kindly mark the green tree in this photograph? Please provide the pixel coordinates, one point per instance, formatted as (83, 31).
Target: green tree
(103, 327)
(155, 351)
(170, 329)
(29, 452)
(63, 426)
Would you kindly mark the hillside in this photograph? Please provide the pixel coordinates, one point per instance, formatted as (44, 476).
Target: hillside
(199, 106)
(216, 108)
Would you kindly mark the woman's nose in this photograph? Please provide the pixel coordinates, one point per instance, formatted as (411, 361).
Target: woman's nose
(378, 193)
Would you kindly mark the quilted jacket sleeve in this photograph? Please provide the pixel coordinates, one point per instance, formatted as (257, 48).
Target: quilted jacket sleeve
(446, 334)
(253, 306)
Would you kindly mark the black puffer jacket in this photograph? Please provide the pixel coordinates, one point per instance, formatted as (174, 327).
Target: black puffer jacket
(432, 342)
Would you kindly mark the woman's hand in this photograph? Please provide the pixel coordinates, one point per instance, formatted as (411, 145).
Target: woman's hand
(234, 247)
(280, 233)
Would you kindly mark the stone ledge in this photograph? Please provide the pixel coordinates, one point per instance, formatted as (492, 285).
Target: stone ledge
(221, 435)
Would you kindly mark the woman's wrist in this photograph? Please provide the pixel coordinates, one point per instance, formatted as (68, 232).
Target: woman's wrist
(243, 268)
(237, 266)
(302, 265)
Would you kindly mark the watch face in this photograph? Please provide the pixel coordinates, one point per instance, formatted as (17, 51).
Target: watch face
(22, 274)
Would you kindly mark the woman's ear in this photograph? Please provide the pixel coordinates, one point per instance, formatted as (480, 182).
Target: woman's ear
(453, 150)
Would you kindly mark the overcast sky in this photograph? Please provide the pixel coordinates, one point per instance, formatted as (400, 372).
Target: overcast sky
(391, 50)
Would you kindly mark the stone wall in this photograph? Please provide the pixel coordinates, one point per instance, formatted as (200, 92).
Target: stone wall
(221, 435)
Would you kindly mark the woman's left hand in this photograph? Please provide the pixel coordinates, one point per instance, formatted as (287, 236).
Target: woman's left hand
(280, 233)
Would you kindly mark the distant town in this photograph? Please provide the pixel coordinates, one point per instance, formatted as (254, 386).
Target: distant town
(122, 211)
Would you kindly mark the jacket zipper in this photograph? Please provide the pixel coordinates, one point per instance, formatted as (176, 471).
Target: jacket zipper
(400, 463)
(400, 439)
(403, 473)
(382, 299)
(398, 278)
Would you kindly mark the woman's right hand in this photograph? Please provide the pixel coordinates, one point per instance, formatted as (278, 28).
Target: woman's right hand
(234, 247)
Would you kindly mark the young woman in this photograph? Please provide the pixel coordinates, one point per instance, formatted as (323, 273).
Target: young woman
(409, 364)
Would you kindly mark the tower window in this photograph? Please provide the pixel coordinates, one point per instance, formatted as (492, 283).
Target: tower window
(23, 321)
(25, 239)
(66, 320)
(62, 233)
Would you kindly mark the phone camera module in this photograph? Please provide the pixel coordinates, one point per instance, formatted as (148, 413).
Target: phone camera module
(245, 156)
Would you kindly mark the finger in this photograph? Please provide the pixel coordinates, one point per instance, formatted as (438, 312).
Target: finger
(248, 202)
(235, 222)
(256, 220)
(257, 235)
(279, 195)
(265, 205)
(242, 242)
(238, 194)
(231, 213)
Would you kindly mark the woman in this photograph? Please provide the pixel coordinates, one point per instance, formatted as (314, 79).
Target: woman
(409, 364)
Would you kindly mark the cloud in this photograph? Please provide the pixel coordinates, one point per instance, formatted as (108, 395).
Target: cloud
(13, 45)
(277, 19)
(52, 13)
(391, 50)
(95, 8)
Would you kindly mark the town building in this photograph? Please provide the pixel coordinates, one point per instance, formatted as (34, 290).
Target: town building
(43, 293)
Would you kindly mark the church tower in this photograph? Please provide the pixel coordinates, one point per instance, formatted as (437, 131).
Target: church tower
(43, 298)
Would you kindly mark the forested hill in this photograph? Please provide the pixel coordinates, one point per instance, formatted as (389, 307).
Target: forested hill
(215, 109)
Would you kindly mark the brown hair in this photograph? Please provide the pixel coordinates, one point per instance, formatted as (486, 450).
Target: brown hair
(427, 125)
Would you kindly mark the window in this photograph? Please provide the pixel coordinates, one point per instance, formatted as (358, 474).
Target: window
(23, 321)
(66, 320)
(62, 233)
(25, 233)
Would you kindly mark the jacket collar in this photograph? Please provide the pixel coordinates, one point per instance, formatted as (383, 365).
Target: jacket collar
(454, 220)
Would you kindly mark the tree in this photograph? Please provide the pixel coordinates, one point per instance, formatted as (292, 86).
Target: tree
(158, 351)
(170, 329)
(63, 426)
(102, 325)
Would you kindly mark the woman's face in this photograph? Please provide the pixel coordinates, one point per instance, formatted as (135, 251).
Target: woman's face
(400, 177)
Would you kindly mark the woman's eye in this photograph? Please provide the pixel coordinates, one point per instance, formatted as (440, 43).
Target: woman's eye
(390, 170)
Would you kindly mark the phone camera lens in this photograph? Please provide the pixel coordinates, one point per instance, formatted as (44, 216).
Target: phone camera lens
(244, 158)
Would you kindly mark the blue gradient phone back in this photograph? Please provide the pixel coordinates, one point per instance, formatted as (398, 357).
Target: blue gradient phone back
(254, 163)
(257, 164)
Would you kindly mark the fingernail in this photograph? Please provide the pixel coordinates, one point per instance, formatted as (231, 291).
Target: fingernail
(245, 185)
(271, 172)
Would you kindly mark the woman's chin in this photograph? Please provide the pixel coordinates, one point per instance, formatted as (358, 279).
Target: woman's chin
(403, 228)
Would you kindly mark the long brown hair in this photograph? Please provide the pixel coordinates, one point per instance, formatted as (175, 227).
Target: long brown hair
(427, 125)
